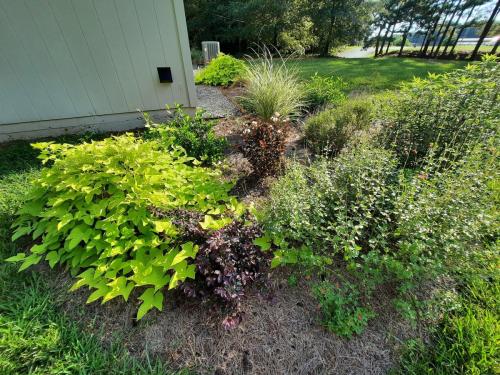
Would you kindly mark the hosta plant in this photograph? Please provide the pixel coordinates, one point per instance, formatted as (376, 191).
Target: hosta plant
(90, 211)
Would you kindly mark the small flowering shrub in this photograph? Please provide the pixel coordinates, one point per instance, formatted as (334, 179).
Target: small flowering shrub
(193, 134)
(264, 144)
(92, 208)
(342, 311)
(224, 70)
(457, 108)
(324, 91)
(335, 207)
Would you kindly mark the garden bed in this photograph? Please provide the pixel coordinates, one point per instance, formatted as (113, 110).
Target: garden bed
(280, 334)
(338, 243)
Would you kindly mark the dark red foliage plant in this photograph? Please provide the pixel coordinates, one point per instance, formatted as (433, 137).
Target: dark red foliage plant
(227, 261)
(264, 144)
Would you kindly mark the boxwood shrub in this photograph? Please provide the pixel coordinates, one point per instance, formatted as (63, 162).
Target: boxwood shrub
(329, 131)
(224, 70)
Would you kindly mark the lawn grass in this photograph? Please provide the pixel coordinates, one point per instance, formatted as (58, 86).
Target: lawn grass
(372, 75)
(35, 336)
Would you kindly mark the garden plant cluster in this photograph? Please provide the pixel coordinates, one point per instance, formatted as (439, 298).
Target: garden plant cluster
(401, 189)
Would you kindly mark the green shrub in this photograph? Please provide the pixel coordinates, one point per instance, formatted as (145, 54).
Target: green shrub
(224, 70)
(456, 108)
(397, 41)
(338, 207)
(341, 308)
(196, 56)
(443, 213)
(193, 134)
(329, 131)
(272, 87)
(91, 211)
(322, 91)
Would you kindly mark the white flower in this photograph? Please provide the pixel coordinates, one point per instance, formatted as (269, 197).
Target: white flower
(246, 131)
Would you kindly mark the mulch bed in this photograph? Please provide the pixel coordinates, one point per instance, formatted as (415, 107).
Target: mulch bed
(281, 331)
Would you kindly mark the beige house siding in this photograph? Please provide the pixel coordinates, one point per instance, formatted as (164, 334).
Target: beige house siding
(70, 64)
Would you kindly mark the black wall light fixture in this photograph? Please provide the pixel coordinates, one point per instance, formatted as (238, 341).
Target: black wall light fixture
(165, 74)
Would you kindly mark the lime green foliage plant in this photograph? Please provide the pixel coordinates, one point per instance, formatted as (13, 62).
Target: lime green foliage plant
(457, 108)
(224, 70)
(324, 91)
(90, 211)
(194, 134)
(272, 88)
(329, 131)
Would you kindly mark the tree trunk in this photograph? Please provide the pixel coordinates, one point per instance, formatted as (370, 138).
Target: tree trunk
(452, 32)
(486, 30)
(426, 35)
(385, 37)
(390, 39)
(378, 40)
(495, 47)
(405, 36)
(328, 42)
(464, 26)
(431, 34)
(447, 28)
(438, 38)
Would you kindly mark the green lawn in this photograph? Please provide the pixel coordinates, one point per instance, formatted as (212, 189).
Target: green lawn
(369, 74)
(35, 335)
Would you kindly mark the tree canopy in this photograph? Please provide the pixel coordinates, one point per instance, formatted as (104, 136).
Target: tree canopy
(290, 25)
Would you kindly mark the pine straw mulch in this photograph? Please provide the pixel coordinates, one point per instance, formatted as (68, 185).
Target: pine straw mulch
(281, 332)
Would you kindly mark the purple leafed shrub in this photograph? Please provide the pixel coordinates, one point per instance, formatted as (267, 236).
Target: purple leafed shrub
(227, 261)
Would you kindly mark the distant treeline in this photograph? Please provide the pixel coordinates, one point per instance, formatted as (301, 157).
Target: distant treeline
(298, 26)
(438, 25)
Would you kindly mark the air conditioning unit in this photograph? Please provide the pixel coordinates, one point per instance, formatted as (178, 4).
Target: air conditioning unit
(210, 50)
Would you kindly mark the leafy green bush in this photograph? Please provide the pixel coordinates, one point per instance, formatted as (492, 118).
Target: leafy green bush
(397, 41)
(271, 88)
(329, 131)
(224, 70)
(322, 91)
(339, 207)
(193, 134)
(456, 108)
(341, 308)
(196, 56)
(91, 211)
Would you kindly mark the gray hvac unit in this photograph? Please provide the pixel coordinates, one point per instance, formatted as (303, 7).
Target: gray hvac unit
(210, 50)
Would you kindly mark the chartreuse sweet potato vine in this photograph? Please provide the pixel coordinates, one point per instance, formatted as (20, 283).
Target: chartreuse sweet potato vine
(91, 211)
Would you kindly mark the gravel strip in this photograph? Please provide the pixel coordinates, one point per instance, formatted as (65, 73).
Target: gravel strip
(212, 100)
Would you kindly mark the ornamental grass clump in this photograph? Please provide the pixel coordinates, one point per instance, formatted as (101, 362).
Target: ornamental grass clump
(271, 86)
(92, 211)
